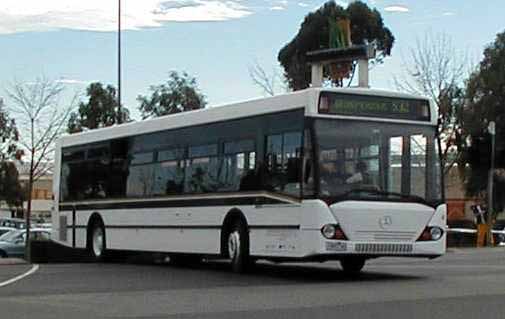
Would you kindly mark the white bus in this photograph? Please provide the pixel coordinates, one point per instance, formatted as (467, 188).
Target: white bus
(314, 175)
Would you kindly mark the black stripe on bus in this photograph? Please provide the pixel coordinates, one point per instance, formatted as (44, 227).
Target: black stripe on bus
(169, 203)
(186, 226)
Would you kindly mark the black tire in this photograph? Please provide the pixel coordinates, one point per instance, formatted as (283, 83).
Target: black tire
(3, 254)
(352, 266)
(237, 247)
(96, 250)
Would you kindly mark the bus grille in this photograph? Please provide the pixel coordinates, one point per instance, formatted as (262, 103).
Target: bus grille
(383, 248)
(363, 235)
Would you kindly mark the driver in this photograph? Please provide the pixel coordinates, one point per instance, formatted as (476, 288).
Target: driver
(361, 175)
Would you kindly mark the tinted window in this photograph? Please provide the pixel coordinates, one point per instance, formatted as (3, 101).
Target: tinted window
(186, 160)
(142, 158)
(308, 165)
(202, 170)
(77, 155)
(170, 155)
(238, 166)
(98, 152)
(283, 158)
(169, 172)
(118, 168)
(202, 151)
(85, 178)
(140, 181)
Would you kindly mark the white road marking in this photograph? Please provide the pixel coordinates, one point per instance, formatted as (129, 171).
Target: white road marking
(17, 278)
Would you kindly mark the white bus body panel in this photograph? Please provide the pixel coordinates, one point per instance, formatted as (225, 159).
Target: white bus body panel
(276, 231)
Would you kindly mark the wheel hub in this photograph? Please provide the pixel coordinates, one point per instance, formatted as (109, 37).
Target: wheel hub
(98, 242)
(233, 244)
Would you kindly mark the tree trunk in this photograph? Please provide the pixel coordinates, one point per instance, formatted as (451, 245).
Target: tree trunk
(28, 215)
(28, 253)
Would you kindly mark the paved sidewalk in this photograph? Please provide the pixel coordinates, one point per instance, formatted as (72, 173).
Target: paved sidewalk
(12, 261)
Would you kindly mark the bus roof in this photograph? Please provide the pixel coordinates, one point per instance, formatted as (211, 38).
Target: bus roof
(279, 103)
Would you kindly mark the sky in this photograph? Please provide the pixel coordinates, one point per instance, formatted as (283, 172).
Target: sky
(216, 41)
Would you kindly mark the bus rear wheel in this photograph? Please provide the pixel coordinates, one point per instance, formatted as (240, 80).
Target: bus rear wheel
(353, 265)
(238, 248)
(97, 246)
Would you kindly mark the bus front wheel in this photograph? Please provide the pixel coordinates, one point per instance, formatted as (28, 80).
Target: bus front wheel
(238, 247)
(352, 266)
(97, 245)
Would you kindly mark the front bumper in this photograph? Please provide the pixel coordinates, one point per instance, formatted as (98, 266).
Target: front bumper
(339, 248)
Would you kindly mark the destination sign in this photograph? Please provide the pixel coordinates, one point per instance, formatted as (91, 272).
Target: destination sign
(374, 106)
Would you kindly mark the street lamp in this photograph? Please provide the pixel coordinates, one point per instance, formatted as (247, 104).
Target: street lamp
(119, 119)
(492, 131)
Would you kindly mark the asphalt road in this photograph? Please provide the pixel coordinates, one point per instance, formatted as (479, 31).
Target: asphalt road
(462, 284)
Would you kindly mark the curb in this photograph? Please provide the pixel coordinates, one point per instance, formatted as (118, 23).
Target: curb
(12, 261)
(463, 250)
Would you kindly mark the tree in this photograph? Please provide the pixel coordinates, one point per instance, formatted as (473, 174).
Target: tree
(36, 106)
(11, 191)
(179, 94)
(436, 70)
(367, 27)
(485, 98)
(268, 83)
(9, 135)
(101, 110)
(10, 188)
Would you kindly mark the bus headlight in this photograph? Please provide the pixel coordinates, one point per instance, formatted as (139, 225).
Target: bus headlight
(328, 231)
(431, 233)
(436, 233)
(331, 231)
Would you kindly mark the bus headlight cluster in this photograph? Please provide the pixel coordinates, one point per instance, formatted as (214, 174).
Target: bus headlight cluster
(436, 233)
(328, 231)
(431, 233)
(331, 231)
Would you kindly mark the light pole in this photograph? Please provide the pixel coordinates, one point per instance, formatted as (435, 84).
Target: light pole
(119, 119)
(490, 179)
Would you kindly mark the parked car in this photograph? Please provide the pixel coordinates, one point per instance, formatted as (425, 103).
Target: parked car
(4, 230)
(12, 244)
(13, 222)
(499, 232)
(42, 225)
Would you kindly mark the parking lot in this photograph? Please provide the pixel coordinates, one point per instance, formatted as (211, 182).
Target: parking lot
(466, 283)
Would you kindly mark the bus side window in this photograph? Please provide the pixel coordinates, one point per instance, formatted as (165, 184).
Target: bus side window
(202, 169)
(119, 168)
(308, 170)
(283, 158)
(238, 166)
(169, 172)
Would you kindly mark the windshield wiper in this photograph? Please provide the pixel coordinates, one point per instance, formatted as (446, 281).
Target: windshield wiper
(413, 198)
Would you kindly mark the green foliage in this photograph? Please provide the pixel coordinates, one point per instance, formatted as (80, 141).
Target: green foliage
(10, 189)
(9, 136)
(179, 94)
(485, 102)
(101, 110)
(367, 27)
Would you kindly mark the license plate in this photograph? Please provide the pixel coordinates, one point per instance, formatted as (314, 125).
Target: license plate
(336, 246)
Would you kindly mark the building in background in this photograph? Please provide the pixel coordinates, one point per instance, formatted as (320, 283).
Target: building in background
(42, 194)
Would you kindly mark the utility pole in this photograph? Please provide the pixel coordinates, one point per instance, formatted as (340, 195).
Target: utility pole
(490, 183)
(119, 119)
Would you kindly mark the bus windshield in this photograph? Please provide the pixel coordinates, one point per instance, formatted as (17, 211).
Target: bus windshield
(377, 161)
